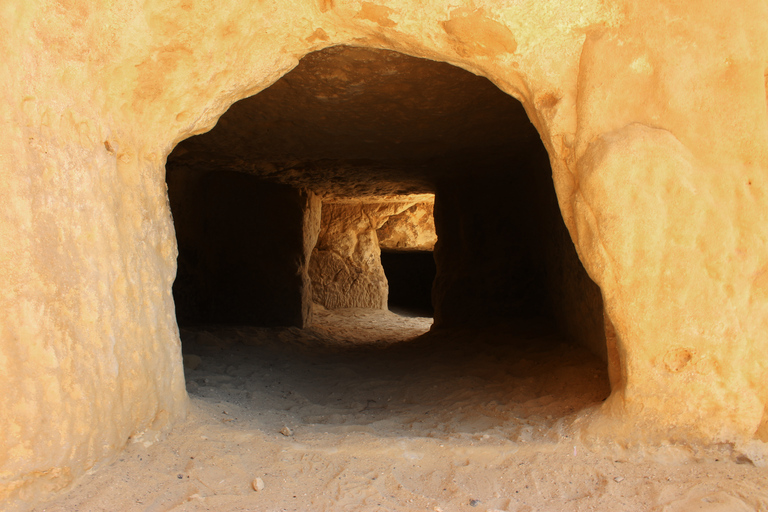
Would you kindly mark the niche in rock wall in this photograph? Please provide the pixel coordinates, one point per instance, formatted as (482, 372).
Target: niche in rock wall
(242, 249)
(410, 275)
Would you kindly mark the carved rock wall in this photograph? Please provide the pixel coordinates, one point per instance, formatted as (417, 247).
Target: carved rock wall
(654, 115)
(503, 252)
(486, 254)
(411, 230)
(345, 267)
(573, 301)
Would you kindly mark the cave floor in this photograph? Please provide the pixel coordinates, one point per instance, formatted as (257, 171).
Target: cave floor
(365, 412)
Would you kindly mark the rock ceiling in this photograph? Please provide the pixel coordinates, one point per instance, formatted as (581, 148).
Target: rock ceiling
(351, 122)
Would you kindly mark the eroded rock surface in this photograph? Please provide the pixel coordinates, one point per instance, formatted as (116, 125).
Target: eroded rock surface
(653, 115)
(345, 267)
(411, 230)
(355, 122)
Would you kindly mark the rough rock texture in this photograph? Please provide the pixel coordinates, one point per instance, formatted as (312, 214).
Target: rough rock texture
(411, 230)
(654, 116)
(244, 248)
(574, 301)
(345, 266)
(355, 122)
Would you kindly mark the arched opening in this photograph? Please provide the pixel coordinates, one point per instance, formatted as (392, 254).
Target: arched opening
(299, 181)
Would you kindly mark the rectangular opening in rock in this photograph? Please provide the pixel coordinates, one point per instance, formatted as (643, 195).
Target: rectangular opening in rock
(306, 388)
(410, 275)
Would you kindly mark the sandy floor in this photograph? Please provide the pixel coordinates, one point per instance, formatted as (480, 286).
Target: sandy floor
(348, 416)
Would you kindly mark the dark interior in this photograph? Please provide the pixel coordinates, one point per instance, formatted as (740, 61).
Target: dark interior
(411, 275)
(367, 124)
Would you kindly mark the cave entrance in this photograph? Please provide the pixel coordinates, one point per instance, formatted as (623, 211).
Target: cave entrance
(277, 211)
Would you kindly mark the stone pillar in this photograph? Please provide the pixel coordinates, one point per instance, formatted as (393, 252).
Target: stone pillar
(311, 222)
(346, 266)
(489, 249)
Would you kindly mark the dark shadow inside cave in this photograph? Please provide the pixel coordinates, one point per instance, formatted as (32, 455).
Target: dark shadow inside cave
(351, 136)
(410, 275)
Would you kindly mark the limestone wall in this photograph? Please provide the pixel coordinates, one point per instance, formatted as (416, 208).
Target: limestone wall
(654, 115)
(411, 230)
(345, 267)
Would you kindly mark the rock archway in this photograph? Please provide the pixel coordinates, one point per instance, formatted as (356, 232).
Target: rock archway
(654, 118)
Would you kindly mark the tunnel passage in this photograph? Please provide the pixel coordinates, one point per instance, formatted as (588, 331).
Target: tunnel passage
(407, 241)
(364, 127)
(411, 275)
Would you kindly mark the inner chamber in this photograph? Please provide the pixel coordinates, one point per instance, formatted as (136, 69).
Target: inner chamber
(321, 198)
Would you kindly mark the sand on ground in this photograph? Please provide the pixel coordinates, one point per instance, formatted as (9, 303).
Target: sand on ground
(367, 411)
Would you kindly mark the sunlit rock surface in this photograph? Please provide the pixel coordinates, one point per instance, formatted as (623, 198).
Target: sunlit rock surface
(411, 230)
(653, 116)
(345, 267)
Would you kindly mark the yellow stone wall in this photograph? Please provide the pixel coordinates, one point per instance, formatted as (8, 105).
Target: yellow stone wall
(654, 115)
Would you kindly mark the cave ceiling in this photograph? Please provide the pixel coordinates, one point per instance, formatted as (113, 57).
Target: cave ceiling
(352, 122)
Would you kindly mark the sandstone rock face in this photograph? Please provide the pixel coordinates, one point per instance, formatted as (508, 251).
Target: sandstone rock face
(654, 116)
(345, 267)
(411, 230)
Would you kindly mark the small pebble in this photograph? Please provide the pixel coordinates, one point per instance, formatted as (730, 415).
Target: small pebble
(191, 361)
(474, 503)
(257, 484)
(618, 479)
(287, 432)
